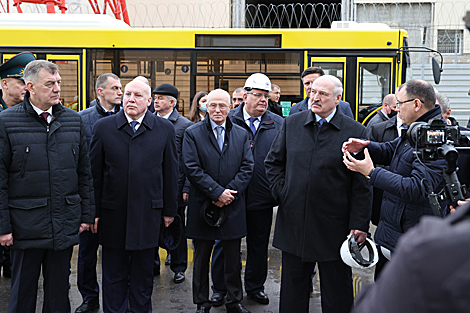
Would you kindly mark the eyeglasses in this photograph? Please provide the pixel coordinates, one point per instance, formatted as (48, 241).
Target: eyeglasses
(214, 106)
(401, 102)
(259, 95)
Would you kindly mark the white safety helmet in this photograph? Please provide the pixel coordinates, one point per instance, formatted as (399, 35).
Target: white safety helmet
(359, 255)
(386, 253)
(258, 81)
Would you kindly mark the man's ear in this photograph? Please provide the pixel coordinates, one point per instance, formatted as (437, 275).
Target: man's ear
(30, 87)
(338, 98)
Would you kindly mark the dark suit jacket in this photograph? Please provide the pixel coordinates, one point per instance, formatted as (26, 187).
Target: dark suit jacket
(303, 105)
(381, 132)
(320, 200)
(135, 178)
(379, 117)
(180, 123)
(211, 171)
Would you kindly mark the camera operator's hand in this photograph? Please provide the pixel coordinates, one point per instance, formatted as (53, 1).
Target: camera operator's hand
(359, 235)
(354, 145)
(460, 203)
(362, 166)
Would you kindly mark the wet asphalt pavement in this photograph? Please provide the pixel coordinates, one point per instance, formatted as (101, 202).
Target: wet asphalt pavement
(170, 297)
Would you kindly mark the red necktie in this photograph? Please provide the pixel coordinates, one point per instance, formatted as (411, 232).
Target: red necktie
(45, 115)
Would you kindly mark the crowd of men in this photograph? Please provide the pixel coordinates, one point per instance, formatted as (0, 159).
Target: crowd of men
(133, 181)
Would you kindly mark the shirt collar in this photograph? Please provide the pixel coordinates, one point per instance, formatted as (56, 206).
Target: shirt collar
(399, 122)
(39, 111)
(328, 118)
(247, 116)
(129, 120)
(165, 116)
(214, 125)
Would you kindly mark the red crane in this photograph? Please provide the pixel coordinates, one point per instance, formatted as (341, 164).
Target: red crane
(118, 7)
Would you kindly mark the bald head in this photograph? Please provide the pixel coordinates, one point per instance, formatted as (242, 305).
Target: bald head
(389, 103)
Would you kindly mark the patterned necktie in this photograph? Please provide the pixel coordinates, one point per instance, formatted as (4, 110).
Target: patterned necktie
(321, 121)
(45, 115)
(220, 138)
(134, 124)
(252, 124)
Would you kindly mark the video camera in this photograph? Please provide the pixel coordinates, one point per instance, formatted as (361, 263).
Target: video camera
(434, 140)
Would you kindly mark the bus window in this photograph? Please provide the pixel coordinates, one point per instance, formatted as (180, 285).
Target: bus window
(69, 87)
(159, 67)
(332, 68)
(230, 70)
(374, 82)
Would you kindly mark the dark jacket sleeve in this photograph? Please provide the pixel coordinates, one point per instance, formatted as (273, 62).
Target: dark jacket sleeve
(170, 175)
(85, 181)
(382, 152)
(412, 188)
(96, 157)
(275, 163)
(196, 175)
(242, 179)
(5, 160)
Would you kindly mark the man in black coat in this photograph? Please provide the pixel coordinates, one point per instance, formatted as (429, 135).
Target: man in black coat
(320, 201)
(166, 96)
(262, 127)
(387, 111)
(46, 190)
(108, 89)
(309, 75)
(218, 162)
(135, 175)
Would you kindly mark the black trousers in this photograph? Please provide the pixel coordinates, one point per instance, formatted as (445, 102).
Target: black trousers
(335, 285)
(258, 223)
(127, 279)
(232, 272)
(87, 280)
(24, 280)
(380, 264)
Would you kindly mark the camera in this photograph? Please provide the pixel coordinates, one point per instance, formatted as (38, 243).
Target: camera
(434, 140)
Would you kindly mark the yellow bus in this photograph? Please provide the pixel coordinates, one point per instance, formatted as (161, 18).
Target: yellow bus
(368, 59)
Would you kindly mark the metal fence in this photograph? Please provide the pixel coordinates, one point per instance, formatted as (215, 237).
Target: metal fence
(437, 25)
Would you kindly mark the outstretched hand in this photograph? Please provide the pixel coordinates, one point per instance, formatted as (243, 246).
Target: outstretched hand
(362, 166)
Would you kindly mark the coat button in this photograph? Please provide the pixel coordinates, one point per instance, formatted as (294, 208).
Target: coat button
(210, 188)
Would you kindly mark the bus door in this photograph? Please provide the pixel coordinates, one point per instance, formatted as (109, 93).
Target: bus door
(72, 72)
(373, 82)
(335, 66)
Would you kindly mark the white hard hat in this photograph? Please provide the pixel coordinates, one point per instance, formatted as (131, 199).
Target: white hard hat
(386, 253)
(258, 81)
(359, 255)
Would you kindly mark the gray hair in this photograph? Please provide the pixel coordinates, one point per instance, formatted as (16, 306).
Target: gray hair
(219, 90)
(275, 86)
(147, 89)
(142, 79)
(102, 80)
(172, 98)
(31, 70)
(239, 89)
(443, 101)
(338, 90)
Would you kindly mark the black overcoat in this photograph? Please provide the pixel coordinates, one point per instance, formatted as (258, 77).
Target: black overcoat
(320, 200)
(211, 171)
(180, 123)
(135, 178)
